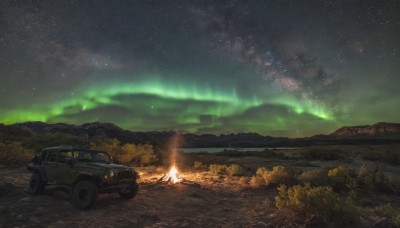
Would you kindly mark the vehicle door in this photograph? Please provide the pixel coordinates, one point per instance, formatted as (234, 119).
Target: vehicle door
(66, 172)
(51, 165)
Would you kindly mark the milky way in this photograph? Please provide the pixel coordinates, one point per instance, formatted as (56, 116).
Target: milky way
(281, 68)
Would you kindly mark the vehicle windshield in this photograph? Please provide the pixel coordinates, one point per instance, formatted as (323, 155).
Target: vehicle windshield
(92, 156)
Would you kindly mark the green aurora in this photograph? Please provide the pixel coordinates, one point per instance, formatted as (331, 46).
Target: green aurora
(187, 104)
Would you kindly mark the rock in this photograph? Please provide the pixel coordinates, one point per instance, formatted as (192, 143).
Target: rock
(20, 217)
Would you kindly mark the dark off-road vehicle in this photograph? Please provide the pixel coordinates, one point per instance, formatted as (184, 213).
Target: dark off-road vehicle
(85, 173)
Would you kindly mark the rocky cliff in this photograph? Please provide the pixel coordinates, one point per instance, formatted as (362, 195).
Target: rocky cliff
(376, 130)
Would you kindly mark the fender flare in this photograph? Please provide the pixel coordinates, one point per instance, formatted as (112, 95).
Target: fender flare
(42, 173)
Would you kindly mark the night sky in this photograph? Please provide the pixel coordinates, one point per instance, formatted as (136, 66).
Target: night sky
(280, 68)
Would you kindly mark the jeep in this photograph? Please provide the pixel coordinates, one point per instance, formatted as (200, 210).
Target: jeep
(83, 172)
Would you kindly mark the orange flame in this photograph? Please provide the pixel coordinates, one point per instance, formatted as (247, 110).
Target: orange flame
(173, 174)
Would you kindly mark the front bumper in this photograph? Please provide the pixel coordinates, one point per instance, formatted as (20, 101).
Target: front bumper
(121, 184)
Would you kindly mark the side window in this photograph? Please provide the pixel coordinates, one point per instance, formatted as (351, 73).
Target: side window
(64, 155)
(76, 154)
(52, 157)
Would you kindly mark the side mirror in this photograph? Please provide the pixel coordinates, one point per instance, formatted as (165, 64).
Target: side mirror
(69, 161)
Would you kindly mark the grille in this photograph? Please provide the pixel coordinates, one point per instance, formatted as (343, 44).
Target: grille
(124, 174)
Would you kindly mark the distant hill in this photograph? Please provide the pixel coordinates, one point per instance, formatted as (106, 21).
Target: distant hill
(378, 130)
(379, 133)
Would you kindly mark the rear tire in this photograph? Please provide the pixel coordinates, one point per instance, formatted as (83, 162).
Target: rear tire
(36, 184)
(129, 193)
(84, 194)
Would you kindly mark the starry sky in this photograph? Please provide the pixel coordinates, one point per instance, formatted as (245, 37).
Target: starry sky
(280, 68)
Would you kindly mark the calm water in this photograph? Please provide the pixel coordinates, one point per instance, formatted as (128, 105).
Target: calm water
(216, 150)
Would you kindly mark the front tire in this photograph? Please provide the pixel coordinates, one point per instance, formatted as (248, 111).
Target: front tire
(84, 195)
(36, 184)
(129, 193)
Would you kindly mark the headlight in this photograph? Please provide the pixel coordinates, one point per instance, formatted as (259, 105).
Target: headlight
(111, 173)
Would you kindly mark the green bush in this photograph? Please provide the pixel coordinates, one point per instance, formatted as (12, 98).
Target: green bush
(320, 201)
(14, 153)
(278, 175)
(234, 170)
(218, 169)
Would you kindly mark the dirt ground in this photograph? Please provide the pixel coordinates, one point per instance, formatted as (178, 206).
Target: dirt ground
(189, 204)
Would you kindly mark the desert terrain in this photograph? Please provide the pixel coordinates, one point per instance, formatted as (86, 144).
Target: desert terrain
(202, 199)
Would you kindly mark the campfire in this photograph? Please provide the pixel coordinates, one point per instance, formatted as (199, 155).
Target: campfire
(172, 176)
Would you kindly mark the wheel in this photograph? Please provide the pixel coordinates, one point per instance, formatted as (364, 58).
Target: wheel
(129, 193)
(36, 185)
(84, 194)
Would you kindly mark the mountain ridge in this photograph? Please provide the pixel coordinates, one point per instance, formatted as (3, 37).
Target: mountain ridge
(381, 132)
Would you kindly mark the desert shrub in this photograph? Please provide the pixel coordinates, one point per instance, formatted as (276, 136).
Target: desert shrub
(322, 154)
(342, 179)
(136, 154)
(127, 153)
(320, 201)
(256, 182)
(218, 169)
(14, 153)
(112, 146)
(234, 170)
(314, 177)
(198, 165)
(261, 171)
(278, 175)
(243, 181)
